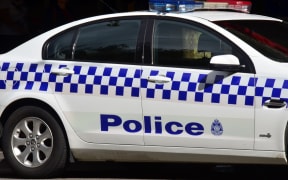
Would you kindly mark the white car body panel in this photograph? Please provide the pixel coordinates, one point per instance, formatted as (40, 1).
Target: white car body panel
(183, 108)
(84, 110)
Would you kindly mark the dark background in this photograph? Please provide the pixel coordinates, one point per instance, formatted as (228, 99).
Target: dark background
(32, 17)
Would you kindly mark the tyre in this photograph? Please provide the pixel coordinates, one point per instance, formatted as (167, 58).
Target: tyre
(34, 144)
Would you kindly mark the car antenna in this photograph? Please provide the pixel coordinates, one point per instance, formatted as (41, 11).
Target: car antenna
(108, 6)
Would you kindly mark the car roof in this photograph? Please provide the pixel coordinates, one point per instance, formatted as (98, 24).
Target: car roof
(210, 15)
(227, 15)
(207, 15)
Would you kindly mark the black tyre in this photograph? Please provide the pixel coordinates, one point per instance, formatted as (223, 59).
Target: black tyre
(33, 143)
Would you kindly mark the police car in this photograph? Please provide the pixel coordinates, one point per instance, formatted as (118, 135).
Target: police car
(164, 85)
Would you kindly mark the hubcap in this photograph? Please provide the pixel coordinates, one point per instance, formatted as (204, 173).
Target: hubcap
(32, 142)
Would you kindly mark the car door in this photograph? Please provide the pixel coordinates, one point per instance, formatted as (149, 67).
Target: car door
(96, 80)
(185, 102)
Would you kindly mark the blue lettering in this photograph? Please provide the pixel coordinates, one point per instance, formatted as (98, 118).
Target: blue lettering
(147, 124)
(194, 129)
(109, 120)
(169, 125)
(128, 128)
(134, 126)
(158, 125)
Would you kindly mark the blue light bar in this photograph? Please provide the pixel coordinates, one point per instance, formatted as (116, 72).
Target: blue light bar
(191, 5)
(163, 5)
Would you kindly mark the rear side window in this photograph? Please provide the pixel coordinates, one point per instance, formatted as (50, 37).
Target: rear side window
(60, 47)
(110, 41)
(113, 41)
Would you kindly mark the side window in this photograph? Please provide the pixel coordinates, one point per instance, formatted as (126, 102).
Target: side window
(181, 44)
(113, 41)
(60, 47)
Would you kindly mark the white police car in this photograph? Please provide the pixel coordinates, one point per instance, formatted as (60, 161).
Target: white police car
(201, 86)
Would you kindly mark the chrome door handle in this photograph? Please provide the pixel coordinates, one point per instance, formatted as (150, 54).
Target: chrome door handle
(62, 71)
(159, 79)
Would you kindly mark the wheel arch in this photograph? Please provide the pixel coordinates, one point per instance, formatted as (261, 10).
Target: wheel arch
(34, 102)
(286, 141)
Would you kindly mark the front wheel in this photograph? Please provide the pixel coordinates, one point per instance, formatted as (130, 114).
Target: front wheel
(33, 143)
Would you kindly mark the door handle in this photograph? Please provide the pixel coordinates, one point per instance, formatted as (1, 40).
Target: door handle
(159, 79)
(62, 71)
(275, 103)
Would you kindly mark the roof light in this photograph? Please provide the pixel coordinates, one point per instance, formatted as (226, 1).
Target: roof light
(191, 5)
(243, 6)
(163, 5)
(215, 5)
(174, 5)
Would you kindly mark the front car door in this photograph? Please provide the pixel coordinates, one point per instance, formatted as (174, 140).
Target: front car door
(187, 104)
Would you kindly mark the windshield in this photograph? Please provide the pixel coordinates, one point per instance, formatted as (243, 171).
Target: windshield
(268, 37)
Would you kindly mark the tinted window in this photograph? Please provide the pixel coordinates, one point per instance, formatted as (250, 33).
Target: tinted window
(181, 44)
(113, 41)
(268, 37)
(60, 47)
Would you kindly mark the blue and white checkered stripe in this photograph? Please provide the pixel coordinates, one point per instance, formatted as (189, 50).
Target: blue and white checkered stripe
(92, 80)
(268, 88)
(23, 76)
(126, 82)
(202, 88)
(102, 81)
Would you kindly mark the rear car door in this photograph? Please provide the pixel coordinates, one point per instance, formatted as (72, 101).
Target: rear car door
(187, 104)
(95, 76)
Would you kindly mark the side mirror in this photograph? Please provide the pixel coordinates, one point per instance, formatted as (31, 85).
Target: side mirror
(226, 62)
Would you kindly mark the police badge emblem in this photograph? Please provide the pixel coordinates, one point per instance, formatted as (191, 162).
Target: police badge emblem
(216, 128)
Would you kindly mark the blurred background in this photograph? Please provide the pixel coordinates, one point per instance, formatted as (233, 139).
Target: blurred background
(21, 20)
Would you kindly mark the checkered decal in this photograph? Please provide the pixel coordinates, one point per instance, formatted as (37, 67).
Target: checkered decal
(268, 88)
(202, 88)
(103, 81)
(126, 82)
(93, 80)
(28, 74)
